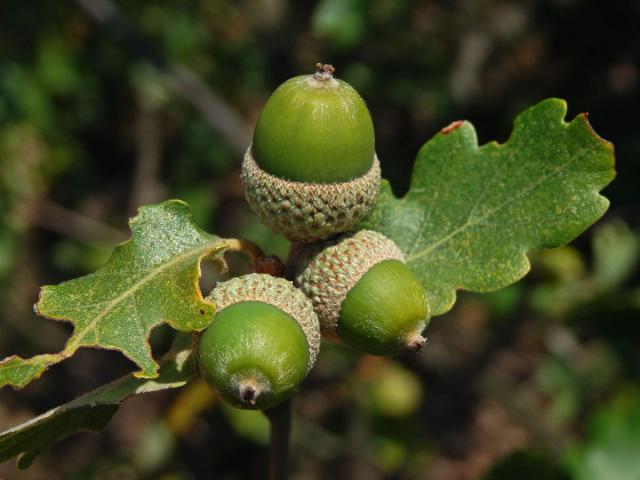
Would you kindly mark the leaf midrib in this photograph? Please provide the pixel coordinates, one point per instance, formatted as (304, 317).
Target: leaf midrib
(75, 341)
(467, 224)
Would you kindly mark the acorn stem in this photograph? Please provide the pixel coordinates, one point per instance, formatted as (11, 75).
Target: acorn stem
(280, 423)
(247, 247)
(270, 264)
(261, 263)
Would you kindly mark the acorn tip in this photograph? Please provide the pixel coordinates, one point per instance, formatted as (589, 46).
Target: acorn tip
(415, 341)
(249, 390)
(324, 71)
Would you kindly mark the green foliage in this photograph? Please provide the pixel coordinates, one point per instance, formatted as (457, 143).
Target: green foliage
(612, 445)
(340, 22)
(389, 390)
(150, 279)
(18, 372)
(250, 424)
(616, 249)
(71, 100)
(93, 410)
(573, 377)
(615, 252)
(22, 154)
(468, 221)
(472, 213)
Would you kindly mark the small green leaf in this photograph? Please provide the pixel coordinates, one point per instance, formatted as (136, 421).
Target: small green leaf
(611, 448)
(473, 212)
(91, 411)
(18, 372)
(148, 280)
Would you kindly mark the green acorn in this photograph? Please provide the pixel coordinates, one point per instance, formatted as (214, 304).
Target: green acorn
(311, 171)
(262, 342)
(363, 292)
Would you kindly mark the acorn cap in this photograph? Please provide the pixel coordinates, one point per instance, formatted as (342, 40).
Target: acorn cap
(257, 287)
(307, 212)
(326, 272)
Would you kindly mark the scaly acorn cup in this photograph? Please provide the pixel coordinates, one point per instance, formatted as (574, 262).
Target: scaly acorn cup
(262, 342)
(363, 292)
(311, 171)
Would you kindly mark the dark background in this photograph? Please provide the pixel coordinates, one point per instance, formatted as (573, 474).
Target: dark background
(103, 110)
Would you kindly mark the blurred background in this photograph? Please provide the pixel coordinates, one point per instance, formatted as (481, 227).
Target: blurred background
(106, 106)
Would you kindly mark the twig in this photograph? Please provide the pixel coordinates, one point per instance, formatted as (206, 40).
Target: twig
(220, 116)
(146, 188)
(280, 422)
(72, 224)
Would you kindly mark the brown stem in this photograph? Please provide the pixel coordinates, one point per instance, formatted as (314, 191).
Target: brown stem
(221, 116)
(146, 187)
(244, 246)
(270, 265)
(261, 263)
(280, 422)
(54, 217)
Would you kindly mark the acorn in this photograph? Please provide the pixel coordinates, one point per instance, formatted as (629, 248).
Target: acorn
(262, 342)
(363, 292)
(311, 171)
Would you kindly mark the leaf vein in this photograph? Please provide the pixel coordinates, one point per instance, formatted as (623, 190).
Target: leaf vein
(75, 341)
(469, 223)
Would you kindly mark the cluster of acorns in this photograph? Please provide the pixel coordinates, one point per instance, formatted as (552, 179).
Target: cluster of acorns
(311, 174)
